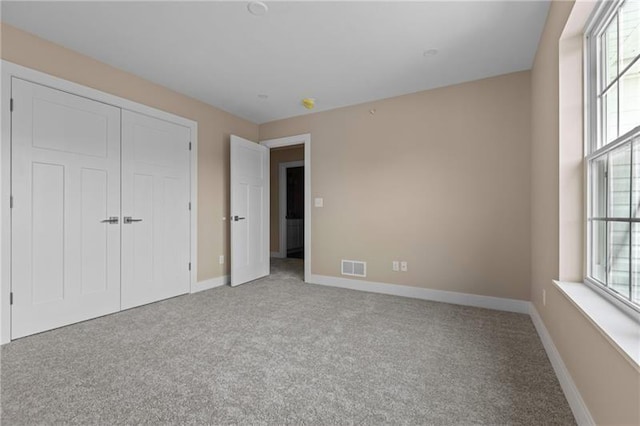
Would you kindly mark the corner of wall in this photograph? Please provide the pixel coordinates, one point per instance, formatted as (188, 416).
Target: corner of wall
(609, 395)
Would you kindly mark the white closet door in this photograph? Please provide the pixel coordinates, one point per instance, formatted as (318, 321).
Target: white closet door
(155, 196)
(65, 183)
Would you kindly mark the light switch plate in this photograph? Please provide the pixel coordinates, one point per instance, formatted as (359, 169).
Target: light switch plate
(319, 202)
(403, 266)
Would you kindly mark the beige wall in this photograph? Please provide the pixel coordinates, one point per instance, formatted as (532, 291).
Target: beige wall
(607, 381)
(438, 178)
(214, 128)
(462, 182)
(279, 155)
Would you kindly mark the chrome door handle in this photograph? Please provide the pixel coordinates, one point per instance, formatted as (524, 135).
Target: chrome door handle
(237, 218)
(129, 219)
(113, 220)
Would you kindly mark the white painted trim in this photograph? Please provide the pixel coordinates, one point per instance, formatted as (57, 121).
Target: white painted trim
(282, 207)
(211, 283)
(277, 254)
(577, 404)
(286, 141)
(297, 140)
(194, 205)
(620, 328)
(10, 70)
(5, 210)
(487, 302)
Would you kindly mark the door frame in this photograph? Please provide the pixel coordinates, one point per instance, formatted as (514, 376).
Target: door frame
(298, 140)
(282, 204)
(10, 70)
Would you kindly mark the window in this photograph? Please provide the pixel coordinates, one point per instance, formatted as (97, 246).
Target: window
(613, 151)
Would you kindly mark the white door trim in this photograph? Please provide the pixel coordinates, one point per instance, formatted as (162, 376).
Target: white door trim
(282, 204)
(297, 140)
(10, 70)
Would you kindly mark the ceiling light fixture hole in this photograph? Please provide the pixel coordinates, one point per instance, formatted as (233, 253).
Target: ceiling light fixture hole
(257, 8)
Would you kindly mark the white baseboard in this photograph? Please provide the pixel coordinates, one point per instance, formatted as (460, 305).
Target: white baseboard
(577, 404)
(488, 302)
(211, 283)
(277, 254)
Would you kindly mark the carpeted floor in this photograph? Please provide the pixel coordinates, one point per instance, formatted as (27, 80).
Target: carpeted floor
(278, 351)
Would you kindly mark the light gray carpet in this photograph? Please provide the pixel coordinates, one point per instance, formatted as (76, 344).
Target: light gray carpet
(278, 351)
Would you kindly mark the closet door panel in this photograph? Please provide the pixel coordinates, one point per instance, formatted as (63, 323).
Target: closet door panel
(65, 184)
(155, 196)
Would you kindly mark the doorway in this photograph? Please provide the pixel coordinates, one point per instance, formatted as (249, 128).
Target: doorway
(286, 221)
(291, 209)
(254, 183)
(290, 152)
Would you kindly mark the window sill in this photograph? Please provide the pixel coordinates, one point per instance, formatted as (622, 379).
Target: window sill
(619, 328)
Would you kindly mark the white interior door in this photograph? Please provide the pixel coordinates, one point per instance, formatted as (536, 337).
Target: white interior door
(249, 211)
(65, 184)
(155, 209)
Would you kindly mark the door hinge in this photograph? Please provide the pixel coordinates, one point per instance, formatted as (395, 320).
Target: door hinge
(11, 105)
(189, 265)
(189, 146)
(11, 298)
(189, 205)
(11, 202)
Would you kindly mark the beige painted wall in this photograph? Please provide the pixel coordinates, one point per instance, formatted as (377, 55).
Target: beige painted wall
(438, 178)
(214, 128)
(607, 381)
(446, 179)
(279, 155)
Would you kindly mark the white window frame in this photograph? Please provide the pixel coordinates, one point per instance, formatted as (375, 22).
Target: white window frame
(598, 22)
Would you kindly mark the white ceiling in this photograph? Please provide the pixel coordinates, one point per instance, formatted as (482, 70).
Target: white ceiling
(341, 53)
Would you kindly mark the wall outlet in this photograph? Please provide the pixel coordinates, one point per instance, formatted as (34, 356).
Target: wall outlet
(403, 266)
(395, 266)
(544, 297)
(221, 259)
(318, 202)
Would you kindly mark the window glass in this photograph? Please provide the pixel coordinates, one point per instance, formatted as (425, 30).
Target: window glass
(635, 264)
(619, 255)
(635, 174)
(629, 32)
(619, 174)
(599, 250)
(630, 99)
(610, 53)
(609, 106)
(599, 187)
(614, 152)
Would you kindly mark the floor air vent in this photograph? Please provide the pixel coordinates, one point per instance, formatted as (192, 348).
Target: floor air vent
(354, 268)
